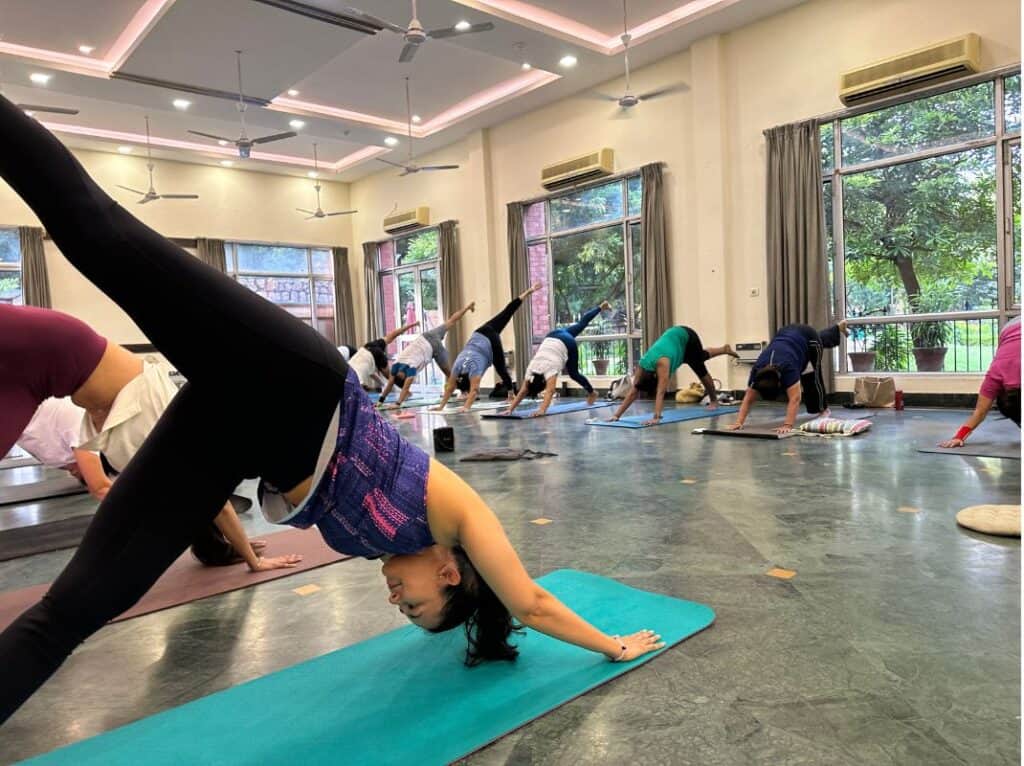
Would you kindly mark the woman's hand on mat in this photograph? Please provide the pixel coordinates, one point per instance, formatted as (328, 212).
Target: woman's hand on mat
(951, 443)
(640, 644)
(784, 429)
(278, 562)
(735, 426)
(712, 405)
(613, 419)
(653, 421)
(538, 414)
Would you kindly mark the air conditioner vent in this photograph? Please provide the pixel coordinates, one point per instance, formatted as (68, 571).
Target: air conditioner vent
(577, 169)
(409, 219)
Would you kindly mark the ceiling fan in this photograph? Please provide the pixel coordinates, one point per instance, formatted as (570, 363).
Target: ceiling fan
(319, 213)
(629, 99)
(415, 35)
(411, 167)
(243, 142)
(150, 195)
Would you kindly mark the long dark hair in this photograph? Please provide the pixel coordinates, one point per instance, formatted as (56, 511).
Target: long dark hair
(463, 382)
(487, 621)
(536, 384)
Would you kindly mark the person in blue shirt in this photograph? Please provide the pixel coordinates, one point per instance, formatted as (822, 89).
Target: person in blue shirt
(482, 350)
(792, 363)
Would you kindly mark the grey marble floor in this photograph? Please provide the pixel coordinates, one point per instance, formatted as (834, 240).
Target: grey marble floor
(897, 642)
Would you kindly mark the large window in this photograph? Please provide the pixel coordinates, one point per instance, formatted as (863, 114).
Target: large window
(922, 205)
(10, 267)
(585, 247)
(410, 289)
(298, 279)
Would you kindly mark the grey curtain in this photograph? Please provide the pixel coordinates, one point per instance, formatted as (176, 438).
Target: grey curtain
(211, 252)
(374, 322)
(519, 270)
(34, 278)
(657, 308)
(344, 316)
(795, 230)
(451, 289)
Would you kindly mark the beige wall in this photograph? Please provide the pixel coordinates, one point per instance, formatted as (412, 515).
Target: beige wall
(233, 204)
(779, 70)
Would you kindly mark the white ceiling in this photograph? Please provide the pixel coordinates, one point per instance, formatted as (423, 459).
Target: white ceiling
(351, 88)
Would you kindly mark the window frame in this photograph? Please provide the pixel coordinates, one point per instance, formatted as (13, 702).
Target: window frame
(15, 268)
(625, 223)
(232, 270)
(1001, 142)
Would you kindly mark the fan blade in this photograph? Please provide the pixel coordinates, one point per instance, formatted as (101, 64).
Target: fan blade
(667, 90)
(407, 53)
(47, 109)
(375, 21)
(179, 196)
(596, 96)
(275, 137)
(147, 199)
(405, 173)
(389, 162)
(439, 167)
(307, 212)
(211, 135)
(438, 34)
(133, 191)
(342, 212)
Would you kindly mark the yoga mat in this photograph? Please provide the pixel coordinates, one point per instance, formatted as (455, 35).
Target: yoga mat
(554, 409)
(668, 416)
(980, 448)
(18, 462)
(58, 486)
(759, 430)
(56, 535)
(456, 409)
(188, 580)
(401, 698)
(390, 406)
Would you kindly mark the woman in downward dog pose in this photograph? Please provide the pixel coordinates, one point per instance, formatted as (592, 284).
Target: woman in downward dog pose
(482, 350)
(325, 457)
(370, 361)
(558, 351)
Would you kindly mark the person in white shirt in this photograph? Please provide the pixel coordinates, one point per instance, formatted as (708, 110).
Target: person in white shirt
(54, 436)
(558, 351)
(370, 361)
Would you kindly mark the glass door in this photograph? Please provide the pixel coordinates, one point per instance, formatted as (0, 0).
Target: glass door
(418, 298)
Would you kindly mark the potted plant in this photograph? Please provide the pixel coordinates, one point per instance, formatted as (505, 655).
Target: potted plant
(600, 359)
(892, 349)
(930, 338)
(863, 360)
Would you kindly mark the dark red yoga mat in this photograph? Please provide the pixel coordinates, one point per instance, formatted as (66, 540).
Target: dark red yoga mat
(188, 580)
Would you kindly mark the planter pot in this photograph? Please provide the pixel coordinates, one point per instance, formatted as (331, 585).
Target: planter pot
(600, 366)
(930, 359)
(862, 361)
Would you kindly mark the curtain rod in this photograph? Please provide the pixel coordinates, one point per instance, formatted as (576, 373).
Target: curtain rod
(902, 98)
(573, 187)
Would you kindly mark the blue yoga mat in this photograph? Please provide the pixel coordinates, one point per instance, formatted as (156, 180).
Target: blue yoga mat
(668, 416)
(554, 409)
(401, 698)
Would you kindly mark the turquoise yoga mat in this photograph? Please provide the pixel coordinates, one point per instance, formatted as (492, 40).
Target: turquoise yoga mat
(554, 409)
(400, 698)
(669, 416)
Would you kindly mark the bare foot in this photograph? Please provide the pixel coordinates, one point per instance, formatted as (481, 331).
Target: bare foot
(730, 352)
(843, 328)
(605, 305)
(472, 306)
(536, 286)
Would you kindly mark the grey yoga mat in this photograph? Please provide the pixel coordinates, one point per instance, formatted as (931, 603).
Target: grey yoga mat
(57, 486)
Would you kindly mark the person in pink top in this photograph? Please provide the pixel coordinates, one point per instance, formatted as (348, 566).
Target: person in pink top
(1000, 387)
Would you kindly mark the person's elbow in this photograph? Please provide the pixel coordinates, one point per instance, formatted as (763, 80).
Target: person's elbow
(532, 609)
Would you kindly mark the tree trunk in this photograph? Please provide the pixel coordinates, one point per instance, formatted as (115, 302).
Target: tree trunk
(905, 268)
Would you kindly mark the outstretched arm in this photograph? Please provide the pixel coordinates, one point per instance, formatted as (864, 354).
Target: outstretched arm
(748, 401)
(229, 525)
(449, 389)
(454, 318)
(634, 392)
(387, 389)
(792, 405)
(981, 408)
(474, 389)
(475, 527)
(406, 390)
(90, 470)
(519, 398)
(394, 334)
(549, 395)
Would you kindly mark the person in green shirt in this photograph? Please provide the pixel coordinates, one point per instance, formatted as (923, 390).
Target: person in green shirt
(677, 346)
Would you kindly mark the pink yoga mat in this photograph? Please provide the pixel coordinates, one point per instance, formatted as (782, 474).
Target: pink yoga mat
(188, 580)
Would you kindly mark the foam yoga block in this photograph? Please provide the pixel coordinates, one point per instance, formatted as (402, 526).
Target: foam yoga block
(554, 409)
(668, 416)
(401, 698)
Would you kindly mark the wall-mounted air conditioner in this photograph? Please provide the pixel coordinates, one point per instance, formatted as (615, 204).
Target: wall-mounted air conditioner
(908, 71)
(409, 219)
(578, 169)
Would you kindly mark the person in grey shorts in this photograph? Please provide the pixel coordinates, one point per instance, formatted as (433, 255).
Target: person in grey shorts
(425, 348)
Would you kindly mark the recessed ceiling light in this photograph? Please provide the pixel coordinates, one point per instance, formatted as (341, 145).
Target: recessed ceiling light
(292, 92)
(526, 66)
(39, 78)
(181, 103)
(391, 141)
(463, 25)
(297, 124)
(222, 142)
(415, 118)
(313, 174)
(227, 163)
(86, 49)
(567, 62)
(124, 149)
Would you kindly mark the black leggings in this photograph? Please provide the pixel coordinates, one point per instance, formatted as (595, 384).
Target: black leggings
(812, 384)
(491, 329)
(213, 434)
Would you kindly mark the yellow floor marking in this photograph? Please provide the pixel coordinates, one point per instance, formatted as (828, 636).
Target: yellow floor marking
(781, 574)
(688, 481)
(908, 509)
(541, 522)
(306, 590)
(791, 454)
